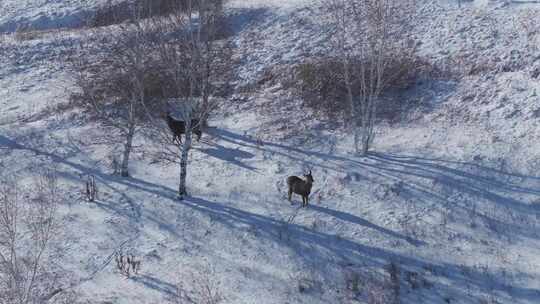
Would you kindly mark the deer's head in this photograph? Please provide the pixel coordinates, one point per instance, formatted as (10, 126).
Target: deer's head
(309, 177)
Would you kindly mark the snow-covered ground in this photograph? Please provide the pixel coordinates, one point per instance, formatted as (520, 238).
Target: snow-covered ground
(44, 14)
(451, 196)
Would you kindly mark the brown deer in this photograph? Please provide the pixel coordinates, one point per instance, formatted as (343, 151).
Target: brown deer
(300, 186)
(178, 127)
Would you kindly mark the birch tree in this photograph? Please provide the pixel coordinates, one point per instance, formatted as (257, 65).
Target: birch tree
(194, 58)
(113, 84)
(367, 35)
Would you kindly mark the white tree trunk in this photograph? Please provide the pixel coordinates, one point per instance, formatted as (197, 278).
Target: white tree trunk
(182, 191)
(127, 151)
(368, 121)
(353, 115)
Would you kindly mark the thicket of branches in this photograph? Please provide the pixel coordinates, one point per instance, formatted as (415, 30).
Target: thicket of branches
(196, 64)
(114, 13)
(368, 38)
(136, 73)
(321, 84)
(28, 225)
(115, 76)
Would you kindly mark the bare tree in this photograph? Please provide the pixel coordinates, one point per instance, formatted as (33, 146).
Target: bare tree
(367, 35)
(193, 58)
(27, 227)
(114, 85)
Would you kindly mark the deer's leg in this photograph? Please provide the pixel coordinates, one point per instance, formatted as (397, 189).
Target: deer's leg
(290, 194)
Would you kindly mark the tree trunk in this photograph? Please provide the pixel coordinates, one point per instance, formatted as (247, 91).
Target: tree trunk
(352, 115)
(368, 123)
(182, 192)
(365, 136)
(356, 139)
(205, 105)
(127, 151)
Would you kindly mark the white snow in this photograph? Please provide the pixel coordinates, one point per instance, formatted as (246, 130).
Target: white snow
(452, 196)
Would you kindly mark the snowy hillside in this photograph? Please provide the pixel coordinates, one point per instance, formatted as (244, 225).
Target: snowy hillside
(450, 194)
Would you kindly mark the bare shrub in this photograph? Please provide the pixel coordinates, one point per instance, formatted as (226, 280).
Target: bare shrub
(371, 286)
(203, 288)
(395, 284)
(127, 264)
(530, 29)
(28, 224)
(353, 284)
(114, 13)
(320, 83)
(284, 228)
(366, 36)
(385, 291)
(121, 264)
(91, 188)
(306, 281)
(377, 294)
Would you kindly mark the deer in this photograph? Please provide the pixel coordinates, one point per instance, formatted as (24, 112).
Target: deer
(300, 186)
(178, 127)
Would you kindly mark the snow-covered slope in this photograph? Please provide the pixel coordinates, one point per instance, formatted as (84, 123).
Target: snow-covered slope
(44, 14)
(451, 197)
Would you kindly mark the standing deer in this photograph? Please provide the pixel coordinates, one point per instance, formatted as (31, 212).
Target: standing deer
(178, 127)
(300, 186)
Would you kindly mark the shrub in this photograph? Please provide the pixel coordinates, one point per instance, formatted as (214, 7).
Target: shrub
(321, 86)
(29, 229)
(320, 83)
(123, 11)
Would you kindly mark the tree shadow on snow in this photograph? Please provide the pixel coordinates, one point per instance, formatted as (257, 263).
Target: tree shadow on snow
(156, 284)
(129, 208)
(483, 185)
(420, 175)
(329, 161)
(493, 185)
(82, 170)
(233, 156)
(351, 218)
(320, 248)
